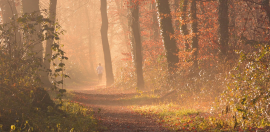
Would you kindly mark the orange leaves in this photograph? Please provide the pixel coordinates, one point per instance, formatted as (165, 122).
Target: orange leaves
(127, 57)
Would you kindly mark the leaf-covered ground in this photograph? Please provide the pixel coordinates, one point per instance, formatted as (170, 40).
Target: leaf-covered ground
(126, 110)
(112, 109)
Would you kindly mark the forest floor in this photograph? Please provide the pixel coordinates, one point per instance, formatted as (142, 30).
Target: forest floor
(112, 109)
(122, 110)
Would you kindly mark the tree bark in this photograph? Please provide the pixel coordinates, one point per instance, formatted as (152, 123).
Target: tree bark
(105, 43)
(266, 7)
(223, 19)
(49, 42)
(194, 33)
(184, 23)
(135, 25)
(30, 6)
(131, 36)
(168, 31)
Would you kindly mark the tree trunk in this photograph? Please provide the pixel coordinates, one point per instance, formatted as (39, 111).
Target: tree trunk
(155, 23)
(233, 29)
(131, 37)
(105, 43)
(177, 22)
(10, 13)
(90, 38)
(184, 23)
(167, 31)
(266, 7)
(49, 42)
(223, 19)
(30, 6)
(194, 33)
(135, 25)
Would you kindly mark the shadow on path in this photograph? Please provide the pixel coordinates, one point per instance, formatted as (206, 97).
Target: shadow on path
(113, 99)
(113, 114)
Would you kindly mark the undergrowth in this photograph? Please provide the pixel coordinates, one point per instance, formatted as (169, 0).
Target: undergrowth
(24, 104)
(224, 95)
(178, 118)
(20, 115)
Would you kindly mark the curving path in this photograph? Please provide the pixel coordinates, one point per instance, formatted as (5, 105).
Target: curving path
(112, 111)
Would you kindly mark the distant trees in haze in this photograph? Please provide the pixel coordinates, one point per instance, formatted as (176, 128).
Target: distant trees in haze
(175, 33)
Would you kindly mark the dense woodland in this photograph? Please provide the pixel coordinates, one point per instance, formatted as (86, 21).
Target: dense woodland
(204, 64)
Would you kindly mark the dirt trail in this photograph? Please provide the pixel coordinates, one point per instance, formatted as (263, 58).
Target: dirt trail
(113, 112)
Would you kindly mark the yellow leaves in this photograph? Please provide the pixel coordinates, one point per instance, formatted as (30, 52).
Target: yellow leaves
(31, 93)
(13, 127)
(58, 125)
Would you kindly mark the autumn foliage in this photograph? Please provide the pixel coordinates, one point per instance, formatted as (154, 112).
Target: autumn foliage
(240, 72)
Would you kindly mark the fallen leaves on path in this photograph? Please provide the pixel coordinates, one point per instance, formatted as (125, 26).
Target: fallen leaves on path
(113, 113)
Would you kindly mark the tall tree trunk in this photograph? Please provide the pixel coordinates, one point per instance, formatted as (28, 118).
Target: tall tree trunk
(105, 43)
(233, 25)
(30, 6)
(135, 25)
(167, 31)
(49, 42)
(223, 19)
(184, 23)
(131, 36)
(194, 33)
(90, 38)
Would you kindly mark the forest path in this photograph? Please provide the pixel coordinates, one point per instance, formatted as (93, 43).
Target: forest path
(112, 110)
